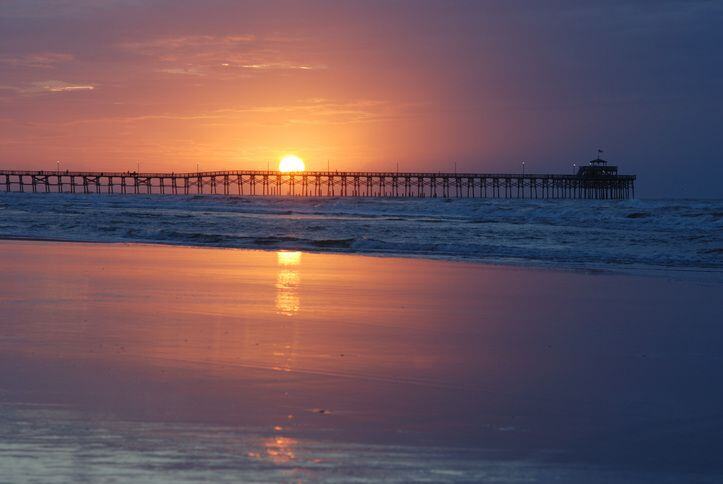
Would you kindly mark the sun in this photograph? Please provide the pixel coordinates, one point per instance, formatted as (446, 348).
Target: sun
(291, 163)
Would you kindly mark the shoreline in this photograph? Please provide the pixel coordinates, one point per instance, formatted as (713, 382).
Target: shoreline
(642, 237)
(704, 275)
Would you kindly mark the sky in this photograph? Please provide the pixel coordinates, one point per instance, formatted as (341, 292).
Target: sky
(366, 85)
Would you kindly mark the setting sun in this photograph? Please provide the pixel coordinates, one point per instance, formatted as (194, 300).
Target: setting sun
(291, 163)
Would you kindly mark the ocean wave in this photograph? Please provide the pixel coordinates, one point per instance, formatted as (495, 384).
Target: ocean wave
(559, 233)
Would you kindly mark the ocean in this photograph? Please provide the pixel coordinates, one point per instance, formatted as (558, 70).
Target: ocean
(568, 234)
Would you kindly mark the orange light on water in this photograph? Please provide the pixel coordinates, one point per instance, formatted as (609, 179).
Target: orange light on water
(288, 282)
(288, 258)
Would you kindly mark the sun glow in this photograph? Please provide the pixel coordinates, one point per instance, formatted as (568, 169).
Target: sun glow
(291, 163)
(285, 258)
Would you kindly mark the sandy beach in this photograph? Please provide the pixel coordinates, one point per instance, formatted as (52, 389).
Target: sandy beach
(171, 363)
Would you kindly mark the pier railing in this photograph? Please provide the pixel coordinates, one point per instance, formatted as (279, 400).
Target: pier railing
(324, 183)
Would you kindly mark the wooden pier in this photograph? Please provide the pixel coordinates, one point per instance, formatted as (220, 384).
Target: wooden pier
(326, 184)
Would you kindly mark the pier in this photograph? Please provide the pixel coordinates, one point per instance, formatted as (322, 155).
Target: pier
(593, 181)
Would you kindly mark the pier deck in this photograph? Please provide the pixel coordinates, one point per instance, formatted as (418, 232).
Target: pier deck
(325, 183)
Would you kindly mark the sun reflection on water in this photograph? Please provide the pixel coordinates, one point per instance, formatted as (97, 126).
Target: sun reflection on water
(288, 280)
(280, 449)
(285, 258)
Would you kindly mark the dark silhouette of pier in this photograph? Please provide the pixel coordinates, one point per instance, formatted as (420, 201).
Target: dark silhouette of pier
(596, 180)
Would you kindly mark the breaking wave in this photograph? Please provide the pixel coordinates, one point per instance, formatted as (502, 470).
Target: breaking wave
(561, 233)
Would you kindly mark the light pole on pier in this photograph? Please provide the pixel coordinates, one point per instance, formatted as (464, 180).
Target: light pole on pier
(574, 168)
(523, 168)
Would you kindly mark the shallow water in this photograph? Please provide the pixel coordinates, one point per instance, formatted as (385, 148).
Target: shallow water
(56, 444)
(638, 234)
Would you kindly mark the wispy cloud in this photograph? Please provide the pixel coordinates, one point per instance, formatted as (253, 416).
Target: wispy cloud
(43, 60)
(303, 112)
(225, 56)
(50, 86)
(162, 45)
(61, 86)
(44, 87)
(280, 65)
(184, 71)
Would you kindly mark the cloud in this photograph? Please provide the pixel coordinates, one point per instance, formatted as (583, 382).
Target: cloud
(162, 46)
(303, 112)
(43, 60)
(223, 55)
(279, 66)
(183, 71)
(50, 86)
(57, 86)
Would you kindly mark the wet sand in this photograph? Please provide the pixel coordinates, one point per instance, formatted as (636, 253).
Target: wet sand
(132, 362)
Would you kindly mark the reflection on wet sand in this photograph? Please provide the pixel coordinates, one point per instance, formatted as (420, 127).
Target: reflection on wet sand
(358, 352)
(288, 303)
(280, 449)
(288, 281)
